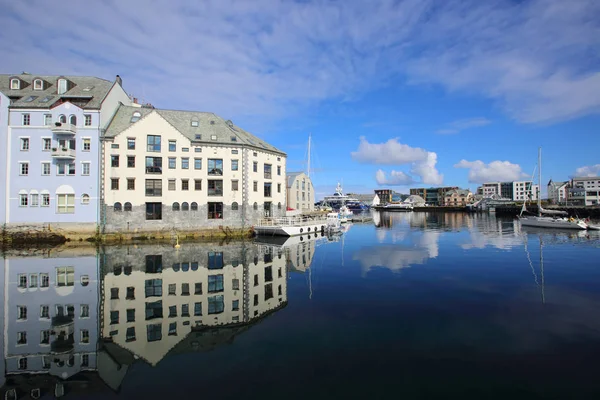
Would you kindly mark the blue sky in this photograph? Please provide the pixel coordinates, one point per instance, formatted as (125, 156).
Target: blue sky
(396, 94)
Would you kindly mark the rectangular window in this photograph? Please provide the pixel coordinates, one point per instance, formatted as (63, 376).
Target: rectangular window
(45, 280)
(34, 200)
(24, 168)
(185, 288)
(268, 291)
(267, 190)
(185, 184)
(197, 184)
(154, 310)
(130, 183)
(197, 163)
(114, 183)
(153, 143)
(216, 304)
(172, 145)
(255, 166)
(21, 337)
(23, 363)
(154, 165)
(87, 119)
(65, 203)
(235, 305)
(234, 185)
(45, 311)
(234, 165)
(47, 119)
(114, 161)
(234, 151)
(215, 260)
(153, 211)
(130, 143)
(172, 162)
(215, 166)
(21, 312)
(215, 210)
(255, 186)
(185, 310)
(84, 311)
(130, 334)
(185, 163)
(279, 188)
(172, 184)
(215, 283)
(114, 293)
(198, 288)
(45, 339)
(114, 317)
(45, 200)
(71, 169)
(173, 329)
(131, 315)
(215, 188)
(26, 119)
(65, 276)
(22, 281)
(85, 168)
(267, 171)
(24, 144)
(153, 187)
(185, 149)
(153, 287)
(278, 170)
(130, 293)
(85, 336)
(46, 144)
(172, 289)
(197, 309)
(172, 311)
(87, 144)
(23, 200)
(130, 161)
(154, 332)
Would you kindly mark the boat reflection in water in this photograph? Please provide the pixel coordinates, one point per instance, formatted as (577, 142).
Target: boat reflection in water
(76, 322)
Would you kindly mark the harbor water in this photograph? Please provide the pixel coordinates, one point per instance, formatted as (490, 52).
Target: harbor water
(409, 305)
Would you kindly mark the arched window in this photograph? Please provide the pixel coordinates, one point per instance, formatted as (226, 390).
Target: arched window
(279, 206)
(73, 120)
(135, 117)
(15, 84)
(117, 206)
(194, 206)
(176, 267)
(62, 118)
(117, 270)
(127, 270)
(62, 86)
(185, 266)
(38, 84)
(176, 206)
(127, 206)
(255, 206)
(85, 198)
(185, 206)
(234, 206)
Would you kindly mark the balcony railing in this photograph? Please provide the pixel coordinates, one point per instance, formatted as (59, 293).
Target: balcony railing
(62, 345)
(215, 192)
(63, 152)
(61, 320)
(64, 129)
(267, 175)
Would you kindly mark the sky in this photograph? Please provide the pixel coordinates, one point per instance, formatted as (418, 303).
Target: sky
(394, 94)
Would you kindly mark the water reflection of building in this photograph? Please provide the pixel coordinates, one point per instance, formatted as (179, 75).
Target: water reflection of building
(50, 318)
(156, 296)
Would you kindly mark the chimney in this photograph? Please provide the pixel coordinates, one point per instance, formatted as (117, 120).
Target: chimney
(119, 80)
(135, 100)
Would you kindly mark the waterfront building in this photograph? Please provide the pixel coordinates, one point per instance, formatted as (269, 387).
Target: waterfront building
(167, 169)
(50, 318)
(458, 198)
(300, 192)
(433, 196)
(516, 190)
(385, 195)
(557, 192)
(49, 133)
(584, 191)
(160, 300)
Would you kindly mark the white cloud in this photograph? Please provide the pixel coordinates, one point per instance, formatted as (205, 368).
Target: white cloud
(503, 171)
(422, 162)
(588, 171)
(274, 58)
(462, 124)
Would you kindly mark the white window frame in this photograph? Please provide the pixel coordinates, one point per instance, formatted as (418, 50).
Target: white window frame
(44, 197)
(63, 274)
(85, 199)
(22, 281)
(20, 313)
(24, 165)
(26, 119)
(84, 141)
(44, 141)
(66, 207)
(23, 200)
(83, 165)
(38, 84)
(87, 119)
(25, 143)
(34, 200)
(15, 84)
(68, 169)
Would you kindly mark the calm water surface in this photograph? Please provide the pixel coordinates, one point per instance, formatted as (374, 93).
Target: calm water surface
(414, 305)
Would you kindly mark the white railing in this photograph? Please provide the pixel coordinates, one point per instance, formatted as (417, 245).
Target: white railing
(64, 128)
(291, 221)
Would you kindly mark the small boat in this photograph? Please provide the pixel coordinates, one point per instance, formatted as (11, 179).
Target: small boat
(395, 207)
(593, 227)
(290, 226)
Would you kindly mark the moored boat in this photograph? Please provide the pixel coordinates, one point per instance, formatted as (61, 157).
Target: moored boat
(291, 226)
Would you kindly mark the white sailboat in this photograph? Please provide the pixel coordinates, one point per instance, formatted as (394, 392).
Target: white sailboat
(551, 219)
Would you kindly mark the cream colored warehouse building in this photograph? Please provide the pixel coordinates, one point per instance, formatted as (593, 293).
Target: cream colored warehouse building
(300, 192)
(165, 169)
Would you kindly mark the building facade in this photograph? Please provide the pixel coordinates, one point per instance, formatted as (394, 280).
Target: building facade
(458, 198)
(584, 191)
(558, 192)
(517, 190)
(300, 192)
(168, 169)
(50, 146)
(433, 196)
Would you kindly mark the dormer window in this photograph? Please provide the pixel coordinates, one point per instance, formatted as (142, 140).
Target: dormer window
(15, 84)
(62, 86)
(234, 138)
(195, 123)
(38, 84)
(135, 117)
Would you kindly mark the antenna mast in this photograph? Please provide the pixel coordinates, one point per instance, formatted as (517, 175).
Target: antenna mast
(308, 163)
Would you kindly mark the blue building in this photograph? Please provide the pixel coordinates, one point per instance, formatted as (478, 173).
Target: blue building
(49, 146)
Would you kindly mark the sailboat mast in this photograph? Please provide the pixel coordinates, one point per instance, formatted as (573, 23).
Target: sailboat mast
(539, 191)
(308, 163)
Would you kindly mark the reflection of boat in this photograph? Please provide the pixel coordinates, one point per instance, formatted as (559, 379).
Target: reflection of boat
(541, 266)
(290, 226)
(553, 221)
(356, 206)
(282, 241)
(395, 207)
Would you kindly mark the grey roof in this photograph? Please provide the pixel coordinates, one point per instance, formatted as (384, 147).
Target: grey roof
(458, 191)
(87, 92)
(291, 176)
(209, 125)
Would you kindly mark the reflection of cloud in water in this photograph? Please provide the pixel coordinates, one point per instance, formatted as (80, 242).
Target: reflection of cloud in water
(501, 234)
(396, 257)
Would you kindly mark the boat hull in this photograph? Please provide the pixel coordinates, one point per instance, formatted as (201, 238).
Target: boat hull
(289, 230)
(556, 223)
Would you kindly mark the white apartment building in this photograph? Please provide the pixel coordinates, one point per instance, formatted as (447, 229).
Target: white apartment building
(558, 192)
(300, 192)
(584, 191)
(517, 190)
(156, 296)
(181, 170)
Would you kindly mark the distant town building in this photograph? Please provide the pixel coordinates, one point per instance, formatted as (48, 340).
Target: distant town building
(458, 198)
(385, 195)
(186, 169)
(433, 196)
(558, 192)
(416, 201)
(517, 190)
(584, 191)
(300, 192)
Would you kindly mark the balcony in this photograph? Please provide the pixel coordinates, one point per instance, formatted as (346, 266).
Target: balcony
(63, 153)
(61, 128)
(63, 344)
(61, 320)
